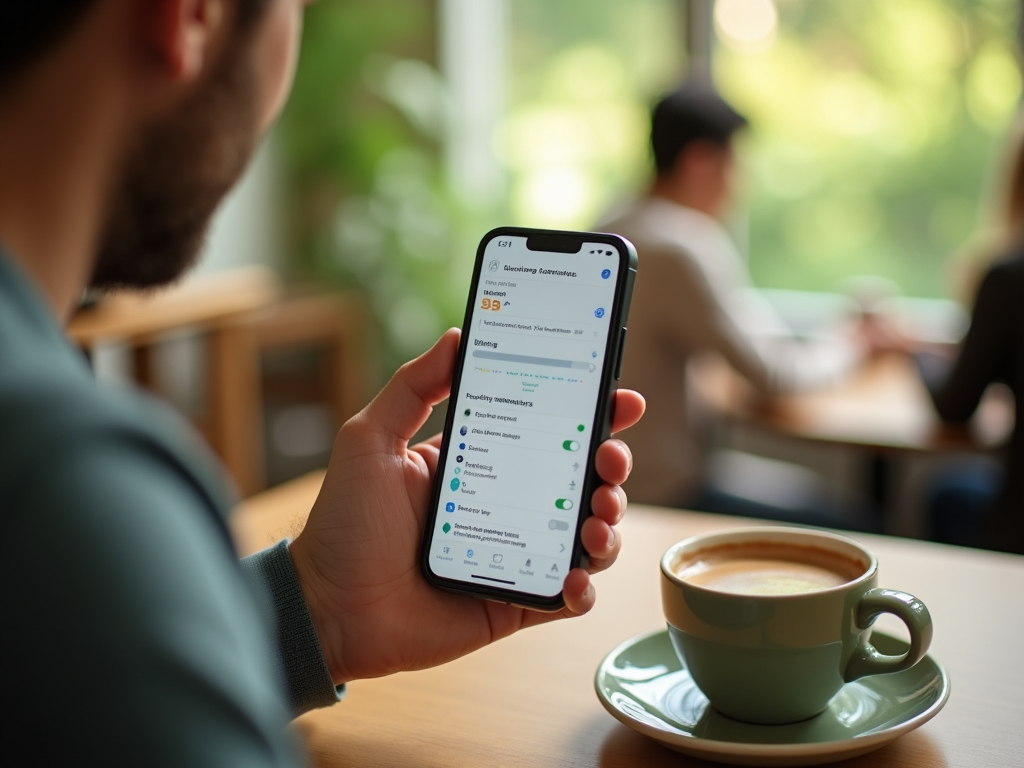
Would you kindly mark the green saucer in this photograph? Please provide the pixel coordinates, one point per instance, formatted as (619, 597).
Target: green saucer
(643, 685)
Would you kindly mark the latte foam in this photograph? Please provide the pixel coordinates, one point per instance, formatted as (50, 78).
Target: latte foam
(764, 569)
(761, 577)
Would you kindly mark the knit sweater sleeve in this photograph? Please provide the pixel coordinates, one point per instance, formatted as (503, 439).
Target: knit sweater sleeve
(302, 666)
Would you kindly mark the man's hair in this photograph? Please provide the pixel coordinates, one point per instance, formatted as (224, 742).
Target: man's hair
(688, 114)
(28, 28)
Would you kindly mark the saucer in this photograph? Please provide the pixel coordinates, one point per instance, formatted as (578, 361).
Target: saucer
(643, 685)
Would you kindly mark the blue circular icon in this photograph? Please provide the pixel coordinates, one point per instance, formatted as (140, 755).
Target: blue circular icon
(458, 470)
(449, 507)
(458, 459)
(469, 553)
(462, 446)
(455, 484)
(599, 313)
(606, 273)
(463, 431)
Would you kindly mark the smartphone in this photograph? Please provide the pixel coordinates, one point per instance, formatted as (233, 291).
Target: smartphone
(531, 400)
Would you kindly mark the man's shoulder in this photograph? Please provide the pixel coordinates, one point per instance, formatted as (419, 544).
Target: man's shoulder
(1009, 268)
(661, 229)
(54, 414)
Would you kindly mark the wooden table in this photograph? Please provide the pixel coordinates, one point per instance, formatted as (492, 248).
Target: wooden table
(881, 414)
(529, 700)
(881, 406)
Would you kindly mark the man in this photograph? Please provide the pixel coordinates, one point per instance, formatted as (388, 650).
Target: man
(691, 298)
(130, 624)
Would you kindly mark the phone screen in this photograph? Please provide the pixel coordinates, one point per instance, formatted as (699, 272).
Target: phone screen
(514, 469)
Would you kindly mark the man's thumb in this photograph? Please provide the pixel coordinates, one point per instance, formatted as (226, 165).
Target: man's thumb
(404, 404)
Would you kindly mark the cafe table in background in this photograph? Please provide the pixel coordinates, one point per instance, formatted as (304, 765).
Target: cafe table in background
(881, 413)
(529, 700)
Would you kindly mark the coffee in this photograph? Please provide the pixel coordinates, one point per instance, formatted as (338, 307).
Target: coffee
(764, 568)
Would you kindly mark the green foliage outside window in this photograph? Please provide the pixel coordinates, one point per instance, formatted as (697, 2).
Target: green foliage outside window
(360, 140)
(876, 129)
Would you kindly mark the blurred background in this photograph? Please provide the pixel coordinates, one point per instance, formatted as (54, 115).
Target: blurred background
(417, 125)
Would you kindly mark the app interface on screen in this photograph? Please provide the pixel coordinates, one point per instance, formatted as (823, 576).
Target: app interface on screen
(513, 474)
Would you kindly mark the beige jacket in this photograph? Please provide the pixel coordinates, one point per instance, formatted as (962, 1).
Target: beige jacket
(692, 296)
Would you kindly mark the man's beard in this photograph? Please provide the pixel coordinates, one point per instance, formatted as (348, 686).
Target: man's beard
(174, 178)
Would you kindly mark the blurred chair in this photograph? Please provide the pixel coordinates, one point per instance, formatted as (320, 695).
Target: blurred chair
(333, 324)
(240, 317)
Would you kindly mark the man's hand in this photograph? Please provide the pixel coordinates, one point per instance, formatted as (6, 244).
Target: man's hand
(358, 556)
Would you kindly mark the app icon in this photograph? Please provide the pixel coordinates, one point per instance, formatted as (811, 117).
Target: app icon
(606, 273)
(458, 470)
(494, 265)
(599, 313)
(554, 568)
(446, 527)
(469, 553)
(529, 562)
(458, 459)
(447, 550)
(449, 507)
(468, 411)
(498, 558)
(462, 446)
(463, 431)
(455, 484)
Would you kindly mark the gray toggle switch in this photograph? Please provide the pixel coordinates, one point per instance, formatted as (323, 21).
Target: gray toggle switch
(558, 525)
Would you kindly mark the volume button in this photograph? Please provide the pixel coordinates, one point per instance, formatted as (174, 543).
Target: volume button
(622, 347)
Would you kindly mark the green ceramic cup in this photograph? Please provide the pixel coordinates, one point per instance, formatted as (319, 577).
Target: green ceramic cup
(780, 658)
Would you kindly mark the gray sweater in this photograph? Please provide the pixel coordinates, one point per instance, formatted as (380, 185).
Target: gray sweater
(138, 637)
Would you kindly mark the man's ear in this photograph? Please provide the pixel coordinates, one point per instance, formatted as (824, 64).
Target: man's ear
(182, 33)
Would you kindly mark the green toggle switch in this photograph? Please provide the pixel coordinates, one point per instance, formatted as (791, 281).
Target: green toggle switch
(571, 445)
(563, 503)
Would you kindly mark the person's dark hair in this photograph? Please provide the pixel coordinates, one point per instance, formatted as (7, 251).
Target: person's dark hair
(29, 27)
(690, 113)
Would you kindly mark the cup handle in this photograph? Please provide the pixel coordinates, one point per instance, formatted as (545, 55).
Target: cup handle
(867, 660)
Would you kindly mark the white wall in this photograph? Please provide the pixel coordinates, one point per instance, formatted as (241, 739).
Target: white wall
(247, 228)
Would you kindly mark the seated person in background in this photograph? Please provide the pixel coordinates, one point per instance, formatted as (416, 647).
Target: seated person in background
(693, 296)
(975, 506)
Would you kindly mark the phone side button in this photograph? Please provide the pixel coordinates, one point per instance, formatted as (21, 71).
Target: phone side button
(622, 347)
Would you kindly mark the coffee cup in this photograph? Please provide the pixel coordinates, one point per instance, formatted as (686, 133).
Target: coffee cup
(771, 622)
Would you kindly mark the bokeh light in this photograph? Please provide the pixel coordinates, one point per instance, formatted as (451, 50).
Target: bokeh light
(746, 24)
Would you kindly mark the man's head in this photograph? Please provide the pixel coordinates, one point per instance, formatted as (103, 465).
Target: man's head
(691, 140)
(197, 83)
